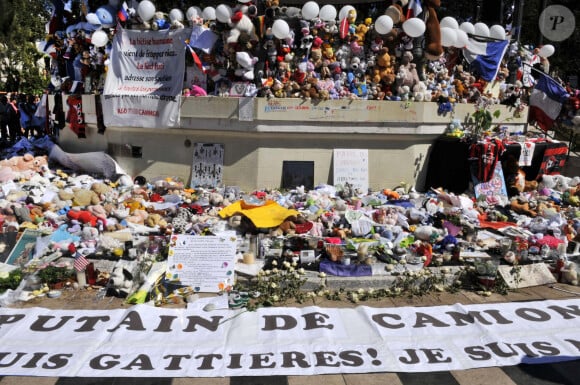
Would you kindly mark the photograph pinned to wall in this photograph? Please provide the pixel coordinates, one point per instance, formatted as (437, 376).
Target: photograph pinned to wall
(208, 164)
(297, 173)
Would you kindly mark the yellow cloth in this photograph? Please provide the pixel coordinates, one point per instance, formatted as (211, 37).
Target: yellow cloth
(270, 214)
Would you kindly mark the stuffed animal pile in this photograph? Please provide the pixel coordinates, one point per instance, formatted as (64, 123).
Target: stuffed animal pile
(274, 50)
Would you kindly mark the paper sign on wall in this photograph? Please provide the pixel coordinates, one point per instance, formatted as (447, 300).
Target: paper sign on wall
(208, 164)
(205, 263)
(352, 166)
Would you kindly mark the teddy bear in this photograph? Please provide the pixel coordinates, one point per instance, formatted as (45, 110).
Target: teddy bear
(383, 71)
(246, 65)
(159, 22)
(22, 166)
(362, 29)
(316, 57)
(407, 74)
(310, 88)
(433, 47)
(395, 11)
(520, 205)
(242, 32)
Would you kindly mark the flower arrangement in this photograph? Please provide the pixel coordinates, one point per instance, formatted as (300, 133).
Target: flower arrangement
(53, 274)
(279, 286)
(10, 280)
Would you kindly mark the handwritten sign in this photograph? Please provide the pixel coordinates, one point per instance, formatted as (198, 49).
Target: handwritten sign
(205, 263)
(495, 187)
(145, 78)
(208, 163)
(352, 166)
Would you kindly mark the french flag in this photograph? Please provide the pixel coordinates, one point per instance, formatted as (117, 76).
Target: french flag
(123, 13)
(485, 57)
(546, 101)
(414, 8)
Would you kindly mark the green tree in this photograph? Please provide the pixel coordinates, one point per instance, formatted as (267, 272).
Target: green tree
(21, 27)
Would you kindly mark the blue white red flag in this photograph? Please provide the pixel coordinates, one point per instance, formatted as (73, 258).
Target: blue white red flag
(546, 101)
(414, 8)
(123, 13)
(485, 57)
(196, 59)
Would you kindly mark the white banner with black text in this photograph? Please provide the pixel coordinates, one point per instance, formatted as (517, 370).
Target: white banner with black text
(145, 341)
(145, 78)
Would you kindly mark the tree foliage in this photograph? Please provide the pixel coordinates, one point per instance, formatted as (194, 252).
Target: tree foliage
(22, 26)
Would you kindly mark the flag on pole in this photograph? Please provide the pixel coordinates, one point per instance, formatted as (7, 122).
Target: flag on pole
(485, 57)
(546, 101)
(414, 8)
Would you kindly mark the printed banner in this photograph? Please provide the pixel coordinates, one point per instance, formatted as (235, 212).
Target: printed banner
(145, 78)
(145, 341)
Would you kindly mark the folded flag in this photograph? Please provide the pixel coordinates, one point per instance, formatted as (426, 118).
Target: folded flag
(485, 57)
(546, 101)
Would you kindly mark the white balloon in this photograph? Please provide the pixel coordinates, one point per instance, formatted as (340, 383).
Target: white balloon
(223, 13)
(146, 10)
(327, 12)
(461, 38)
(449, 22)
(448, 37)
(99, 38)
(175, 15)
(209, 13)
(344, 11)
(496, 31)
(481, 29)
(193, 12)
(383, 24)
(310, 10)
(414, 27)
(467, 27)
(547, 50)
(280, 29)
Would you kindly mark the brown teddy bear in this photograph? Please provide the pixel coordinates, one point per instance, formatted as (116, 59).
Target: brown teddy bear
(515, 177)
(433, 47)
(523, 206)
(383, 71)
(407, 74)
